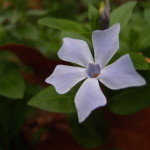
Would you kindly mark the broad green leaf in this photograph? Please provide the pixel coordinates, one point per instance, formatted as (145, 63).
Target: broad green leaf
(90, 133)
(62, 24)
(131, 100)
(49, 100)
(147, 15)
(139, 62)
(122, 14)
(143, 40)
(93, 17)
(11, 84)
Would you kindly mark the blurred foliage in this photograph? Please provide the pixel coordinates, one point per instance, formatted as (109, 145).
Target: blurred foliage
(42, 25)
(50, 100)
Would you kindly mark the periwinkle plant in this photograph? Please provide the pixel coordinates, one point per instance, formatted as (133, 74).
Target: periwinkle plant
(118, 75)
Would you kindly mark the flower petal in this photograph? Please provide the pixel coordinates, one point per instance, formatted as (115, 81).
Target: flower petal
(106, 43)
(88, 98)
(121, 74)
(75, 51)
(65, 77)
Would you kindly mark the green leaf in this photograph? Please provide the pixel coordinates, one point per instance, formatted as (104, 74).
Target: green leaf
(49, 100)
(93, 17)
(131, 100)
(90, 133)
(62, 24)
(11, 84)
(143, 40)
(147, 15)
(122, 14)
(139, 61)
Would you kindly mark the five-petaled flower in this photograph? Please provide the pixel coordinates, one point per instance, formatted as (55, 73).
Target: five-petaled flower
(118, 75)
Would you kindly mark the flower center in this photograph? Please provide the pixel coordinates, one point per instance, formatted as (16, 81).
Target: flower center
(93, 70)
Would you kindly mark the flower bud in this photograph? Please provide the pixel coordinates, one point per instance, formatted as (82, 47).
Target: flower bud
(104, 12)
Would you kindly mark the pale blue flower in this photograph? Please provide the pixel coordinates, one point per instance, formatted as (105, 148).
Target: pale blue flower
(120, 74)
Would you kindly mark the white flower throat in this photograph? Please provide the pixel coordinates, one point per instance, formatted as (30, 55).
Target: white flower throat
(93, 70)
